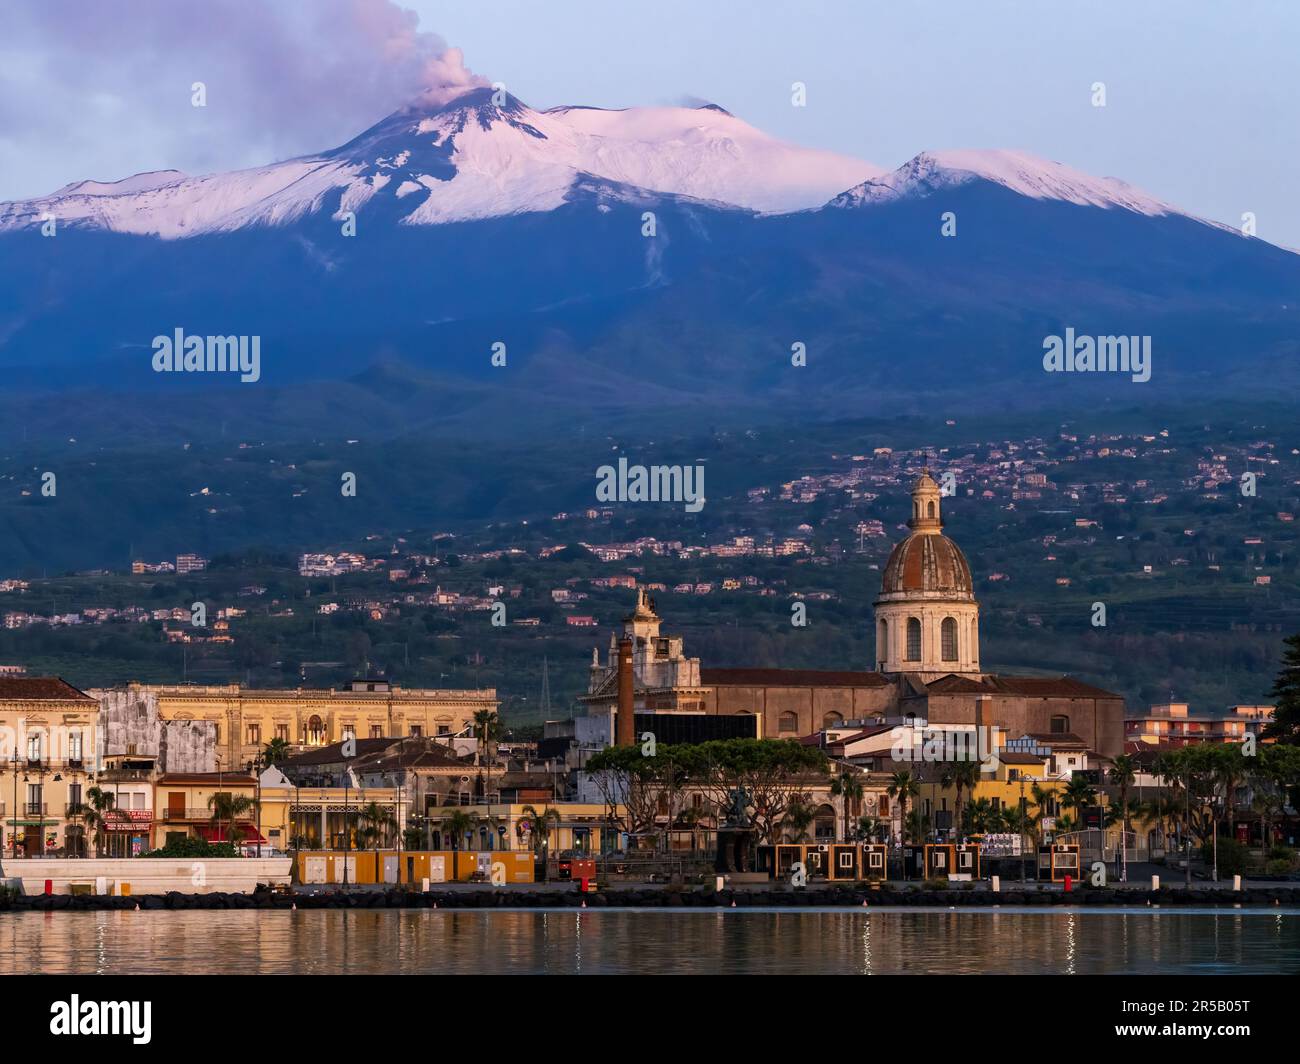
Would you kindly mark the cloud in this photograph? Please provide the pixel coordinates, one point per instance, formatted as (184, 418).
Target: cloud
(90, 89)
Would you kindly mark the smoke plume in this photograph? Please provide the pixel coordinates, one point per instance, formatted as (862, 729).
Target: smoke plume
(91, 89)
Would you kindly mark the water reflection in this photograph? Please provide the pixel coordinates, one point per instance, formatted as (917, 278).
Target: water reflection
(652, 942)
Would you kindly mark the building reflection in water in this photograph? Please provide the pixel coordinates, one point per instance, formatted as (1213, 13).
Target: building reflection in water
(595, 941)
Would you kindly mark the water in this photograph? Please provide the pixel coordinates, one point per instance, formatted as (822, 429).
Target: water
(654, 941)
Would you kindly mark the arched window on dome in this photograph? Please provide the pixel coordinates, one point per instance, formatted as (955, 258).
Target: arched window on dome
(930, 508)
(913, 639)
(948, 638)
(882, 644)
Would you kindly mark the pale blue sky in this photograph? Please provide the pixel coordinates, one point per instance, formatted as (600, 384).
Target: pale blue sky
(1201, 96)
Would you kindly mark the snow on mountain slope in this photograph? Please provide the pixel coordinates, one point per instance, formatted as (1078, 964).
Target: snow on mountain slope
(439, 161)
(1018, 171)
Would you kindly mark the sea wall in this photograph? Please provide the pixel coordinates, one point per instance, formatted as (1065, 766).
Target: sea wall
(146, 875)
(662, 898)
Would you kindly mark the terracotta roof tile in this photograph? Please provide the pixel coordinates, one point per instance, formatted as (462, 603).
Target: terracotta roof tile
(39, 688)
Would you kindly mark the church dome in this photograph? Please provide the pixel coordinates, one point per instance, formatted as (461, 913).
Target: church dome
(927, 619)
(927, 561)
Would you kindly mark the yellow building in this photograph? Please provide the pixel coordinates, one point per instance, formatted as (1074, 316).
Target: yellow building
(327, 818)
(189, 805)
(247, 719)
(1013, 781)
(47, 749)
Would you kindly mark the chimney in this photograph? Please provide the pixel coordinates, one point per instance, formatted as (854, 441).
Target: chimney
(625, 725)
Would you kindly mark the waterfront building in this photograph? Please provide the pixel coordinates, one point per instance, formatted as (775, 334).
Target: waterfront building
(198, 727)
(48, 752)
(188, 805)
(298, 816)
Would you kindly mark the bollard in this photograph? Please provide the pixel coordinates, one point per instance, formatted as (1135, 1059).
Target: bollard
(124, 889)
(1069, 884)
(1155, 882)
(101, 885)
(1236, 882)
(49, 886)
(424, 885)
(997, 884)
(719, 882)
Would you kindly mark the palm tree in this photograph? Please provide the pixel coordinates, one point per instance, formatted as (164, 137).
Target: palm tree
(487, 729)
(918, 823)
(1123, 774)
(1228, 769)
(903, 785)
(799, 815)
(539, 835)
(1078, 795)
(1034, 821)
(276, 752)
(960, 775)
(92, 811)
(980, 816)
(457, 825)
(868, 829)
(376, 819)
(227, 808)
(847, 785)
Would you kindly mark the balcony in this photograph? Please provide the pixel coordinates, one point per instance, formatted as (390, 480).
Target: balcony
(36, 808)
(176, 814)
(126, 775)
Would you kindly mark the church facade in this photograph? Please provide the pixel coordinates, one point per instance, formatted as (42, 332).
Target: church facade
(927, 663)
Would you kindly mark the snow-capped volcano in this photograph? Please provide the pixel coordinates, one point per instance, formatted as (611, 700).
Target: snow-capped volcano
(1021, 172)
(467, 158)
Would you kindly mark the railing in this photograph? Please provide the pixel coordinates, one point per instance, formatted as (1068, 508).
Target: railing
(36, 808)
(42, 764)
(201, 813)
(455, 800)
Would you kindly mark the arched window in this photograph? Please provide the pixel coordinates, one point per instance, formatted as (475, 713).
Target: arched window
(1060, 724)
(788, 724)
(913, 639)
(315, 731)
(882, 644)
(930, 508)
(832, 720)
(948, 638)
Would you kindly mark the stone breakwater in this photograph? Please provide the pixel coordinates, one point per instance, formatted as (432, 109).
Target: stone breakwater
(658, 898)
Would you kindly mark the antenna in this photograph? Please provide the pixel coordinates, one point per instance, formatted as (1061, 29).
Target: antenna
(546, 688)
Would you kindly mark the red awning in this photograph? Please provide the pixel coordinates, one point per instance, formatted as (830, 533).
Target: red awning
(248, 837)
